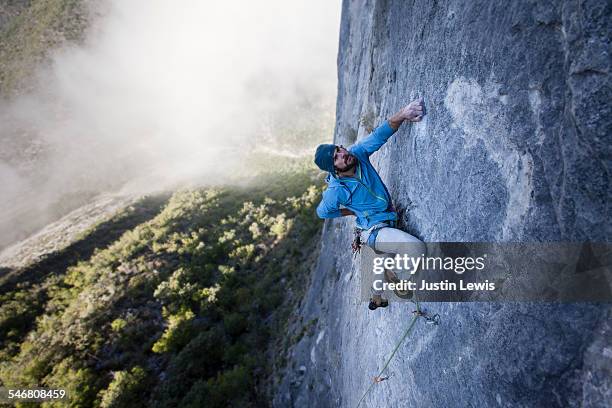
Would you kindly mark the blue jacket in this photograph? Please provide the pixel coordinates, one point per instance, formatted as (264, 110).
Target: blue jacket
(365, 194)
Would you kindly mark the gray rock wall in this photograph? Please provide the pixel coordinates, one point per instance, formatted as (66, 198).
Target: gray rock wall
(515, 146)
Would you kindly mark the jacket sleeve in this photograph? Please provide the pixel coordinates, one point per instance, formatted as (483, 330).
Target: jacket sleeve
(375, 140)
(329, 207)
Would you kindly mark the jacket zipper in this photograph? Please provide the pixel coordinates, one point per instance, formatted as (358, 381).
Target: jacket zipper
(367, 188)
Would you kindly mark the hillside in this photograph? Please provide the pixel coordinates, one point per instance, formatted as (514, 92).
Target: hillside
(175, 300)
(29, 31)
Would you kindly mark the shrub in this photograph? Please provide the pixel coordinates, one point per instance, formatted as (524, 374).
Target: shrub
(230, 388)
(178, 333)
(118, 324)
(126, 390)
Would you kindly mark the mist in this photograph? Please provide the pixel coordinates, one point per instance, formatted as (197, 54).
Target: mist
(162, 93)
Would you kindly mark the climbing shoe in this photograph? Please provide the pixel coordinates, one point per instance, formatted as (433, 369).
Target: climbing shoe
(374, 306)
(391, 277)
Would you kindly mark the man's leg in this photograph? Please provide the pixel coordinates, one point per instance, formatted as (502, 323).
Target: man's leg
(395, 241)
(376, 294)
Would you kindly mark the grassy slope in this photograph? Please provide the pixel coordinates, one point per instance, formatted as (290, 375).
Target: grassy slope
(28, 37)
(181, 308)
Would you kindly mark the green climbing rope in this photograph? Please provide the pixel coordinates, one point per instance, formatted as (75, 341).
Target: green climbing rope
(379, 378)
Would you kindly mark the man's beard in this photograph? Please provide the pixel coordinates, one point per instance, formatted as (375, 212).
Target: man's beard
(348, 167)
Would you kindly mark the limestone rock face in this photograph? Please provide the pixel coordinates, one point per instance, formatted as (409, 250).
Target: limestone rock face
(515, 146)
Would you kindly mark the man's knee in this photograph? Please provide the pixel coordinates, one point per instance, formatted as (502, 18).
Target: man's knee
(393, 240)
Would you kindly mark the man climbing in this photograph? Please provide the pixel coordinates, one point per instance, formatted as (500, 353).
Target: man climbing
(355, 188)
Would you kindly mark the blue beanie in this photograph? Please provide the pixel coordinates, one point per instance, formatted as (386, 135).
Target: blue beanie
(324, 157)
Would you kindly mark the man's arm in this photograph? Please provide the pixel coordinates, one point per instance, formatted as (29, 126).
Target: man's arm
(324, 210)
(329, 207)
(412, 112)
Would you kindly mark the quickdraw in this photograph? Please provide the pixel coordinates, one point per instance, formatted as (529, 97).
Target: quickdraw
(381, 379)
(356, 244)
(435, 319)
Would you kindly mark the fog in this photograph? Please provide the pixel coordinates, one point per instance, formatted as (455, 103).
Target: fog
(162, 92)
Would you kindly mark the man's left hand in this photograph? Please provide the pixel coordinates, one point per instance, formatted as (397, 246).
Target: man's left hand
(413, 112)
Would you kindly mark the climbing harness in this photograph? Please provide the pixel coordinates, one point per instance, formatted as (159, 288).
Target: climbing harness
(357, 234)
(434, 320)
